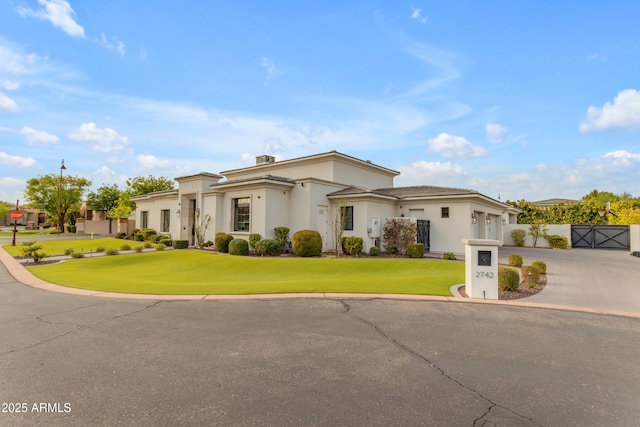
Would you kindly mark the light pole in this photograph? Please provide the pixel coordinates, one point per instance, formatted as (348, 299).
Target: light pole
(60, 223)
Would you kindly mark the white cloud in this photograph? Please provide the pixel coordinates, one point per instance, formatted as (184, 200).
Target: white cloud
(105, 140)
(495, 133)
(451, 146)
(112, 44)
(270, 67)
(58, 12)
(622, 157)
(417, 15)
(10, 84)
(11, 182)
(16, 161)
(423, 172)
(623, 114)
(38, 137)
(7, 103)
(147, 162)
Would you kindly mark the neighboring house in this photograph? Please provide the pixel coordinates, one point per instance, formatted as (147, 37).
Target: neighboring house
(309, 192)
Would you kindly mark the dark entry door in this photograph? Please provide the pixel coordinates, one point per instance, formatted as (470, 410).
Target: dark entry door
(424, 233)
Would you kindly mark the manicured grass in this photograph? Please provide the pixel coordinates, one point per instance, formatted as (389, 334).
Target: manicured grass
(187, 272)
(57, 247)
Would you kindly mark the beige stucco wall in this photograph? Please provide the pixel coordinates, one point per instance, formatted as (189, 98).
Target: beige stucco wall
(559, 229)
(634, 237)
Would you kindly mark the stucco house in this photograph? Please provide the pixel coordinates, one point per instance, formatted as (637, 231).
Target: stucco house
(309, 192)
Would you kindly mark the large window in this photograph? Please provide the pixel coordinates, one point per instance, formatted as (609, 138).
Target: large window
(241, 214)
(346, 213)
(165, 216)
(144, 219)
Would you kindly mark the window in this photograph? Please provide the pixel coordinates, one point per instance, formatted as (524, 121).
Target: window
(444, 212)
(346, 213)
(241, 214)
(165, 216)
(144, 219)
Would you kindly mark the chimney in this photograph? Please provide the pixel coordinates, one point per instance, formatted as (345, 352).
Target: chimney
(264, 159)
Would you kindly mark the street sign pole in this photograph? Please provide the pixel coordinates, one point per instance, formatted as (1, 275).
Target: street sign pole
(15, 222)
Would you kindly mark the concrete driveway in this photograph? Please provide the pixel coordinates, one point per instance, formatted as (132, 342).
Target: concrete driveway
(597, 279)
(76, 360)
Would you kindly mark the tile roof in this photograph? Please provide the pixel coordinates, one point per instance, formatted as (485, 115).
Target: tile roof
(407, 192)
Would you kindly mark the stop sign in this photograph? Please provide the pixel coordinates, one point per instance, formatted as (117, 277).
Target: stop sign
(16, 215)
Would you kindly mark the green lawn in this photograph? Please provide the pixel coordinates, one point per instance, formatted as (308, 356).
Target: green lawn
(57, 247)
(184, 272)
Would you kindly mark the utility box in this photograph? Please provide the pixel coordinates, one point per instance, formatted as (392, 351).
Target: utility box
(375, 231)
(481, 268)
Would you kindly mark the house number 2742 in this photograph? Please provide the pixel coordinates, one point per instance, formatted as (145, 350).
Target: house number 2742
(484, 275)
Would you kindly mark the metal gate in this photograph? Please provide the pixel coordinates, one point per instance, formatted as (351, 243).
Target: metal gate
(600, 236)
(424, 231)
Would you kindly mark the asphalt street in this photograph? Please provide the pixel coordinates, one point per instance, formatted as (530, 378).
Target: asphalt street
(77, 360)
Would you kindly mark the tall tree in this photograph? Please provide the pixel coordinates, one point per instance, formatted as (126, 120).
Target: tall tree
(137, 187)
(105, 199)
(50, 191)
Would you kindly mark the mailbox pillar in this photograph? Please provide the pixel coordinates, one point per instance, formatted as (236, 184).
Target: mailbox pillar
(481, 268)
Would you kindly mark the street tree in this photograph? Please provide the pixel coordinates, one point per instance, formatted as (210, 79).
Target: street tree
(51, 191)
(105, 199)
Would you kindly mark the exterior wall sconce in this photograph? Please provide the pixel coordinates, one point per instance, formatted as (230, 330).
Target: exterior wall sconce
(504, 221)
(487, 219)
(474, 218)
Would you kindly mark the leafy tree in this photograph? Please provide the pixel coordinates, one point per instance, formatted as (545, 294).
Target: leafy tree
(530, 212)
(106, 200)
(137, 187)
(4, 209)
(42, 193)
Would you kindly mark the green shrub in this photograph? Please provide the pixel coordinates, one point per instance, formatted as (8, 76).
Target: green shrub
(391, 250)
(137, 249)
(307, 243)
(180, 244)
(557, 242)
(138, 237)
(71, 228)
(100, 249)
(415, 250)
(269, 247)
(125, 247)
(147, 245)
(222, 242)
(508, 279)
(531, 274)
(282, 235)
(161, 247)
(166, 240)
(374, 251)
(449, 255)
(135, 230)
(207, 244)
(515, 260)
(352, 245)
(77, 255)
(147, 233)
(121, 235)
(519, 235)
(239, 247)
(68, 251)
(254, 238)
(111, 251)
(541, 265)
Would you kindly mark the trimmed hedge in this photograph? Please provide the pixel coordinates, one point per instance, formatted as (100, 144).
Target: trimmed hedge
(307, 243)
(415, 250)
(268, 247)
(508, 279)
(530, 270)
(148, 232)
(254, 238)
(180, 244)
(557, 242)
(352, 245)
(239, 247)
(222, 241)
(541, 266)
(374, 251)
(515, 260)
(518, 235)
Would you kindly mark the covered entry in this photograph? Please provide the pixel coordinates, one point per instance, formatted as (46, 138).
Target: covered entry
(600, 236)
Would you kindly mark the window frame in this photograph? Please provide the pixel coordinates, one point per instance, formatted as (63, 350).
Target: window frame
(444, 212)
(242, 219)
(144, 219)
(348, 222)
(165, 220)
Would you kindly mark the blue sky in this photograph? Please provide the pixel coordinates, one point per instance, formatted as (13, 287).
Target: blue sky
(514, 99)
